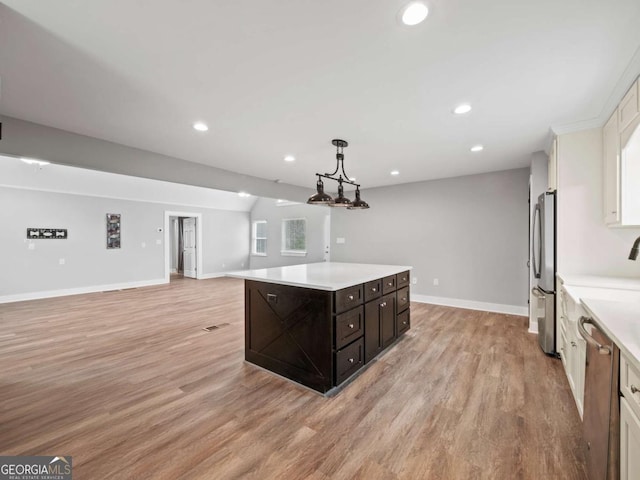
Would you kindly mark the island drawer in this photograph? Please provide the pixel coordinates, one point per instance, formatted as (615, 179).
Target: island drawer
(348, 298)
(349, 360)
(404, 322)
(372, 289)
(389, 284)
(403, 279)
(403, 299)
(349, 327)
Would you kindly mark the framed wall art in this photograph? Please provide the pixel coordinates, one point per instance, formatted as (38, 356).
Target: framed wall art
(113, 230)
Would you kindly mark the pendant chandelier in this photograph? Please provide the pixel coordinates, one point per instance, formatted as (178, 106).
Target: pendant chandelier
(322, 198)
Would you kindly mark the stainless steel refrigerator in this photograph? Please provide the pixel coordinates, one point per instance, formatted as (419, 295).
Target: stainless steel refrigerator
(544, 268)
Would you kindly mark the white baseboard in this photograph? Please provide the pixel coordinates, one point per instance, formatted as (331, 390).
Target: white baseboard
(533, 326)
(472, 305)
(206, 276)
(20, 297)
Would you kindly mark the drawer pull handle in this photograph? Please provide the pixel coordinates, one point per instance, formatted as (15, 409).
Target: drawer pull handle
(574, 344)
(634, 389)
(351, 360)
(351, 325)
(350, 297)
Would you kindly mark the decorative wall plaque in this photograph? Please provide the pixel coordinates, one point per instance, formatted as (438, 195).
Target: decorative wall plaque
(113, 230)
(46, 233)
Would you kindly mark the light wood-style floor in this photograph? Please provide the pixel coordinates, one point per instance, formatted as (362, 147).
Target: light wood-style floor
(131, 386)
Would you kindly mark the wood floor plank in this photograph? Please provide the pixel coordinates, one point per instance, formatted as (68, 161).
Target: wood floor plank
(132, 376)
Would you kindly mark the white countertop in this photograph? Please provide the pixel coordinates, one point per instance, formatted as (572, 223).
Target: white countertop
(321, 276)
(614, 303)
(600, 282)
(621, 322)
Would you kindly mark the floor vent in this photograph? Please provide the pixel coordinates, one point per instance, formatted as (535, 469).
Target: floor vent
(214, 327)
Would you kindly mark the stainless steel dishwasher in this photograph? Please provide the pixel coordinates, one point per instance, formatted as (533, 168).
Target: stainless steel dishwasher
(601, 418)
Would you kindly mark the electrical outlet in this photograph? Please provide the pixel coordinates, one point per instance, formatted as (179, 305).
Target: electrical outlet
(223, 265)
(414, 280)
(436, 282)
(341, 240)
(32, 246)
(62, 261)
(144, 245)
(158, 241)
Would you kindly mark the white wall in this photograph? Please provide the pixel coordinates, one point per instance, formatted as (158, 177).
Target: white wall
(269, 210)
(32, 273)
(585, 244)
(469, 232)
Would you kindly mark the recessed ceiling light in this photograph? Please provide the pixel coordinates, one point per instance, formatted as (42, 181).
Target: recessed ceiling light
(462, 109)
(200, 126)
(32, 161)
(289, 158)
(477, 148)
(395, 172)
(414, 13)
(244, 194)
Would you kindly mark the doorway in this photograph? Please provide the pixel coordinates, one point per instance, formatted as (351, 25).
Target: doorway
(183, 240)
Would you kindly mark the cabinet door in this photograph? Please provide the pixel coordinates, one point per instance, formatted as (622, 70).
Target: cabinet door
(388, 320)
(611, 170)
(629, 442)
(372, 343)
(629, 108)
(553, 166)
(379, 325)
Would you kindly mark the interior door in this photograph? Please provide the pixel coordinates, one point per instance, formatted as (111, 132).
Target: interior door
(189, 247)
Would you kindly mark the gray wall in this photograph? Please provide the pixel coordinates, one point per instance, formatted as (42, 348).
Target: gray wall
(468, 232)
(87, 261)
(267, 209)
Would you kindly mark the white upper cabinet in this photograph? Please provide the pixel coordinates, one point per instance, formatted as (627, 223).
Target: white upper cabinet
(553, 165)
(611, 170)
(621, 162)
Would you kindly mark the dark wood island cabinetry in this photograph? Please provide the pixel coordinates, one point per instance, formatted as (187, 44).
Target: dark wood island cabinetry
(320, 337)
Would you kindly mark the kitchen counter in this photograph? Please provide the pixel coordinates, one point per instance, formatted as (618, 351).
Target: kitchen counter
(621, 322)
(319, 324)
(614, 303)
(329, 276)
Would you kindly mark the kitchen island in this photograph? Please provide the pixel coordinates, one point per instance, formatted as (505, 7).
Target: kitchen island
(319, 324)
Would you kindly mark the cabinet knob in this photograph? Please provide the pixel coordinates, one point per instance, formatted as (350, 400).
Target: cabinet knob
(351, 360)
(374, 289)
(350, 297)
(404, 322)
(574, 344)
(351, 325)
(383, 304)
(634, 389)
(614, 212)
(390, 284)
(404, 299)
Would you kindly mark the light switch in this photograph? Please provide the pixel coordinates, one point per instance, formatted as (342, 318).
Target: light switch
(144, 245)
(341, 240)
(158, 242)
(62, 261)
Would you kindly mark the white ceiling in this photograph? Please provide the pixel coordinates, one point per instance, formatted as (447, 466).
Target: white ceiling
(277, 77)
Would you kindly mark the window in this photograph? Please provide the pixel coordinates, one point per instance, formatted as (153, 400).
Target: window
(259, 238)
(294, 236)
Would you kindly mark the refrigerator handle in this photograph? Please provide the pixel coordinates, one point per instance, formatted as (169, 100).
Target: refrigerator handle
(536, 235)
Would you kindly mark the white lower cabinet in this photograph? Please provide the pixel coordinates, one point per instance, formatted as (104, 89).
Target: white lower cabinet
(629, 442)
(572, 347)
